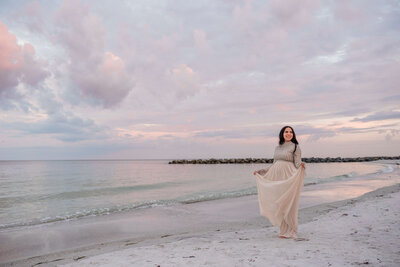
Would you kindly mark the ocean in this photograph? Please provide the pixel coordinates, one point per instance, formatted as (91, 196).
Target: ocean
(38, 192)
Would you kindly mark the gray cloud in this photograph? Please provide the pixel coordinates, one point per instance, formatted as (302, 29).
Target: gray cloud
(62, 126)
(56, 121)
(378, 116)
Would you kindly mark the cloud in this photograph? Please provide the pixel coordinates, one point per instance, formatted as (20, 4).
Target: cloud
(390, 134)
(350, 12)
(268, 131)
(378, 116)
(235, 134)
(32, 14)
(200, 39)
(99, 75)
(349, 112)
(18, 65)
(61, 125)
(293, 14)
(162, 72)
(314, 133)
(231, 71)
(184, 80)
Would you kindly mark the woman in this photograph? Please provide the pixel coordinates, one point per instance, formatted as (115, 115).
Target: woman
(280, 184)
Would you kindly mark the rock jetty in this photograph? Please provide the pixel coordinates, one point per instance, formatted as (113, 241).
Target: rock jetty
(255, 160)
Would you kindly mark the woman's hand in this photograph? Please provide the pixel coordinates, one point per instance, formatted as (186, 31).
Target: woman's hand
(303, 165)
(260, 172)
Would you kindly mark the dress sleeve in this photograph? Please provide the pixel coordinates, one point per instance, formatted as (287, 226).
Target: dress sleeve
(276, 148)
(297, 157)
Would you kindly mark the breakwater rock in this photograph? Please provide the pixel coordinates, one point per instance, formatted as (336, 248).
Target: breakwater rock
(258, 160)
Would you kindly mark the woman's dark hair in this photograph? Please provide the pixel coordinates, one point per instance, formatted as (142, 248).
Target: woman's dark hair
(282, 139)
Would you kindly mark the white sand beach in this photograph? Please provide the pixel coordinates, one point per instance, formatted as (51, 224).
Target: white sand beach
(364, 233)
(341, 223)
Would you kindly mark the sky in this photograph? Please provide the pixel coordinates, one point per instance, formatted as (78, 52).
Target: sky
(180, 79)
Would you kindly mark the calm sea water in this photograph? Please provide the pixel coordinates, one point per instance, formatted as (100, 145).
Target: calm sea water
(36, 192)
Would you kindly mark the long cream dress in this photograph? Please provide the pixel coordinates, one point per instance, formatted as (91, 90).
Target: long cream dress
(279, 189)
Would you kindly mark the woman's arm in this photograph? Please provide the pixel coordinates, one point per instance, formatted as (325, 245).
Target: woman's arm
(297, 157)
(262, 171)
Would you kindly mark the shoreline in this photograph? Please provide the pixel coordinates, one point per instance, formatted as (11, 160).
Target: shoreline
(306, 215)
(360, 231)
(239, 214)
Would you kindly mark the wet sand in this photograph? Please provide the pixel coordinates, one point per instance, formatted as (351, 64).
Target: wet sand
(361, 233)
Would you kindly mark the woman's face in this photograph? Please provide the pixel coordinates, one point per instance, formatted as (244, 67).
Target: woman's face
(288, 134)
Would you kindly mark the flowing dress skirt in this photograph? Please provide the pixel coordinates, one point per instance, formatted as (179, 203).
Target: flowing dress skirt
(278, 195)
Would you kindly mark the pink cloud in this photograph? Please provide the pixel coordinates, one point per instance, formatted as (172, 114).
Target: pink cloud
(10, 53)
(98, 74)
(184, 80)
(287, 91)
(18, 64)
(157, 62)
(112, 63)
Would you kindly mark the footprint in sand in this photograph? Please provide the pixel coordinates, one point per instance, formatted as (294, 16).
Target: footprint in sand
(301, 239)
